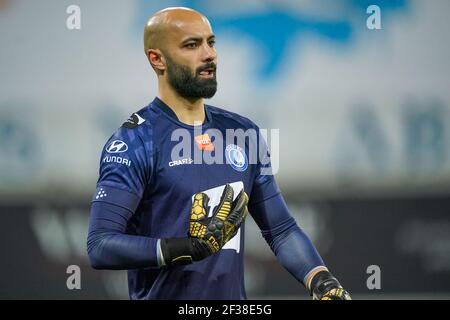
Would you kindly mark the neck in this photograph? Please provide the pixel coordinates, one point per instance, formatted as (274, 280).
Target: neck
(188, 111)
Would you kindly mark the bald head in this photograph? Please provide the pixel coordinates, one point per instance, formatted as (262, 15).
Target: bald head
(168, 21)
(180, 47)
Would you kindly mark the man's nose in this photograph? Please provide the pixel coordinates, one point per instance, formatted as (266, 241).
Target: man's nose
(209, 53)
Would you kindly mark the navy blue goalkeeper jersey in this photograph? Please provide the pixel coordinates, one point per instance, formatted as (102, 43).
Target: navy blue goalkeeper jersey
(153, 166)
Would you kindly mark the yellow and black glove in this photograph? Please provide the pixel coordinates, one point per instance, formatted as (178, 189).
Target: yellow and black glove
(207, 235)
(223, 225)
(326, 287)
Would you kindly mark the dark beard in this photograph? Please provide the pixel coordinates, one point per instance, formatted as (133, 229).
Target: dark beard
(188, 85)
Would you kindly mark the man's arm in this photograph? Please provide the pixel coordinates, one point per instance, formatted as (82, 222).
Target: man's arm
(109, 247)
(293, 249)
(120, 187)
(289, 243)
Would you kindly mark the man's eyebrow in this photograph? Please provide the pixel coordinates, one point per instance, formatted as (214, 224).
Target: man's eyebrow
(198, 39)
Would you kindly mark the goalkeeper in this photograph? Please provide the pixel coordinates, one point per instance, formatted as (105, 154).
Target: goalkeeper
(178, 226)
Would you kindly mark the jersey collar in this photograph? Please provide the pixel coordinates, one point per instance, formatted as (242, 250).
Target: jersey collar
(158, 103)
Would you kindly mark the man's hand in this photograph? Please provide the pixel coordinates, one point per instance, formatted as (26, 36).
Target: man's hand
(326, 287)
(207, 235)
(223, 225)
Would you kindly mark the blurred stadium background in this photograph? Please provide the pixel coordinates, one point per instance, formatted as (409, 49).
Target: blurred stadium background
(364, 134)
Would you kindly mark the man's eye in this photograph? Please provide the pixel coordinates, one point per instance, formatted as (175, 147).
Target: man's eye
(191, 45)
(212, 43)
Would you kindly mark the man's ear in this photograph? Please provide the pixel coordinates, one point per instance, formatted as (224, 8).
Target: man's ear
(156, 59)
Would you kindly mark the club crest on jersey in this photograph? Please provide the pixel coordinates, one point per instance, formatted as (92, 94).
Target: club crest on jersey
(236, 157)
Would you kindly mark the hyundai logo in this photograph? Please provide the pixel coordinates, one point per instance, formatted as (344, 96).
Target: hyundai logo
(117, 146)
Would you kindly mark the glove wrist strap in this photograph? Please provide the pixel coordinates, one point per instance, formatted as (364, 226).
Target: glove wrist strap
(323, 282)
(181, 251)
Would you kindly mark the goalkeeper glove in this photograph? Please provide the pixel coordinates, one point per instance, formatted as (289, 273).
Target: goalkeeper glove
(326, 287)
(207, 235)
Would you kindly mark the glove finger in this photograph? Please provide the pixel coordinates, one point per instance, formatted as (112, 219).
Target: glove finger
(237, 215)
(241, 218)
(224, 207)
(232, 229)
(206, 203)
(239, 211)
(241, 200)
(336, 294)
(199, 208)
